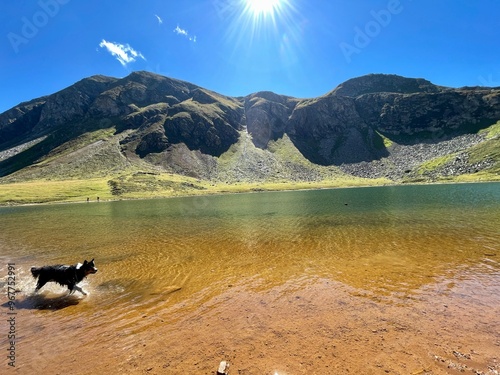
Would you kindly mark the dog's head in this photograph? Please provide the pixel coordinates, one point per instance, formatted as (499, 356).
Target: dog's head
(89, 267)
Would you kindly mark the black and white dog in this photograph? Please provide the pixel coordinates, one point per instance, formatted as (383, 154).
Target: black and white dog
(64, 275)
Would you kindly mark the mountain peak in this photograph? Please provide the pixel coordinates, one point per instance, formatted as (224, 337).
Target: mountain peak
(390, 83)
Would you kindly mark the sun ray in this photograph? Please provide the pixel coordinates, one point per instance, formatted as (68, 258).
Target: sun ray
(262, 8)
(270, 30)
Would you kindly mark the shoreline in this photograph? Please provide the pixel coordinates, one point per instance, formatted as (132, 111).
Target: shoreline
(287, 187)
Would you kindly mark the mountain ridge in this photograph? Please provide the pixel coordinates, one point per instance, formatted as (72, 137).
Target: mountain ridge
(362, 128)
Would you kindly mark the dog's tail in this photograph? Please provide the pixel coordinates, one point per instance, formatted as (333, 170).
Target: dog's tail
(35, 271)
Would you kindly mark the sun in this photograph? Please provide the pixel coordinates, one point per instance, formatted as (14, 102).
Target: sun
(262, 8)
(257, 27)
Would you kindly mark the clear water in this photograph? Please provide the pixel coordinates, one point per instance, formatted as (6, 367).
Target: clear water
(172, 255)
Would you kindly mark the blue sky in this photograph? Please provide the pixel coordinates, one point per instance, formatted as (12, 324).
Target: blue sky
(301, 48)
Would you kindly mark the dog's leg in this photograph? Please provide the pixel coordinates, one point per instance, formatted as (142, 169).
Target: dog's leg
(76, 287)
(40, 284)
(71, 288)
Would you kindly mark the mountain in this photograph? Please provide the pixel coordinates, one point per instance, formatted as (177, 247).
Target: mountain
(397, 128)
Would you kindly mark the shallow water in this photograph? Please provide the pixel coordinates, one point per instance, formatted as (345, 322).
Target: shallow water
(166, 258)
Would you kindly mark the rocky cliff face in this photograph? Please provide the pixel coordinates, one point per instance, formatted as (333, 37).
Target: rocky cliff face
(329, 130)
(349, 124)
(267, 116)
(156, 115)
(430, 116)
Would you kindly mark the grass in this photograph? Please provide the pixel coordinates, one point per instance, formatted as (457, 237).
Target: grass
(487, 151)
(387, 142)
(140, 185)
(492, 131)
(44, 191)
(300, 185)
(148, 185)
(285, 149)
(433, 164)
(482, 176)
(133, 185)
(208, 111)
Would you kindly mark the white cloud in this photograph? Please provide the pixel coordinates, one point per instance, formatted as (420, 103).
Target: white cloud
(185, 33)
(180, 31)
(123, 52)
(160, 21)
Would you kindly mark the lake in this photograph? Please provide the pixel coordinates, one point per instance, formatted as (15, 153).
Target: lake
(402, 279)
